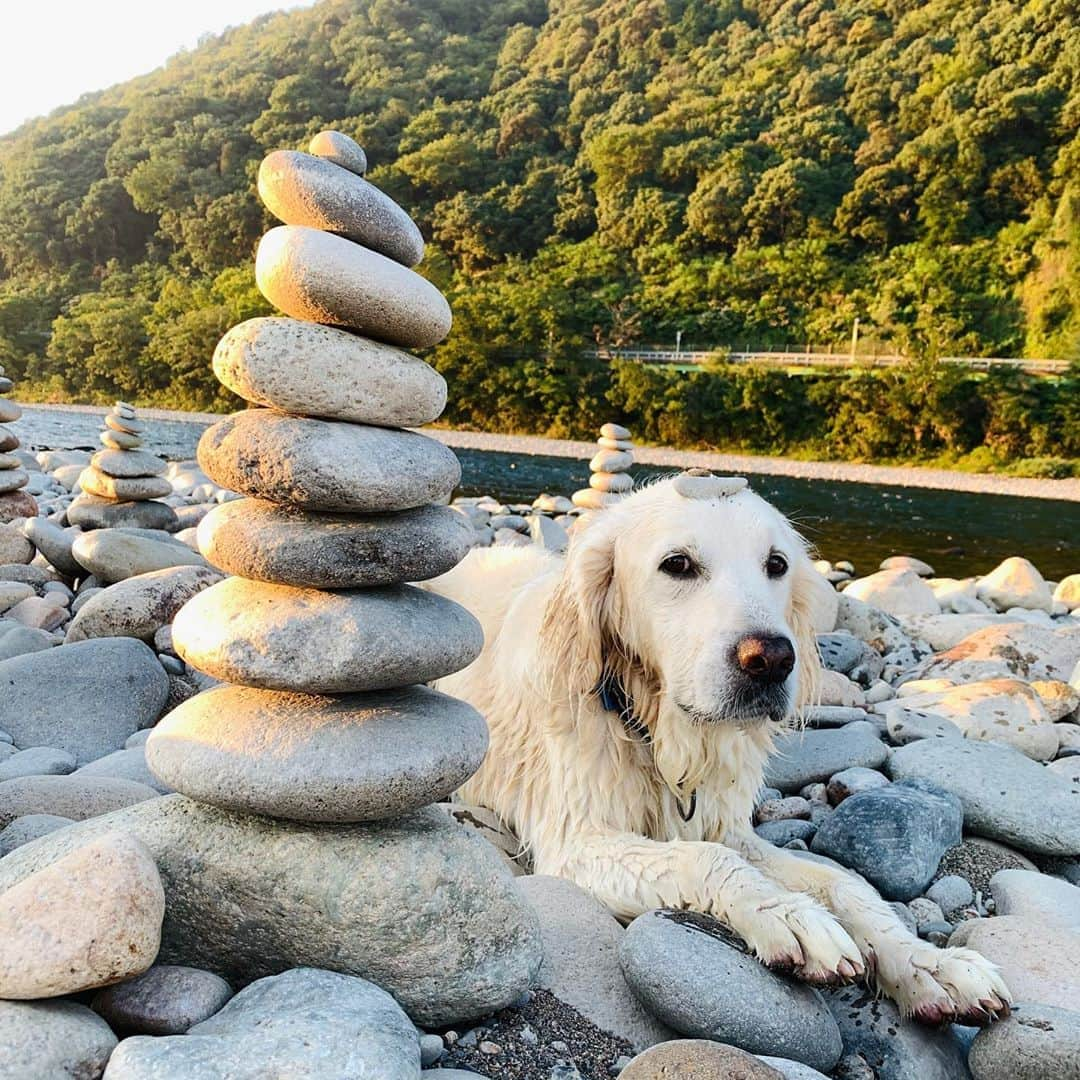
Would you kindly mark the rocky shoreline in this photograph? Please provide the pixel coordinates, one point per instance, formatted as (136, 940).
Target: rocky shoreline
(65, 426)
(939, 764)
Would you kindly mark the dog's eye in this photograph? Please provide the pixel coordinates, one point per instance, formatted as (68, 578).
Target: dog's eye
(679, 566)
(776, 565)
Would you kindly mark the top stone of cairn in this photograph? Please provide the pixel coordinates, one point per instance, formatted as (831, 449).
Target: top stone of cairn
(341, 150)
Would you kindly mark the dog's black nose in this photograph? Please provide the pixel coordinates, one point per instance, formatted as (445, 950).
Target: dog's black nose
(766, 659)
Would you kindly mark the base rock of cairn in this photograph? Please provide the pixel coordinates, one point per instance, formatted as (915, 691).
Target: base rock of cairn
(123, 482)
(303, 833)
(14, 502)
(610, 479)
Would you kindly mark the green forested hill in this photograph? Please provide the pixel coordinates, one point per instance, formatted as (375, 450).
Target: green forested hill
(586, 172)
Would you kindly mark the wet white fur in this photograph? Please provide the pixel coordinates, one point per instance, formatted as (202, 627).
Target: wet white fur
(597, 805)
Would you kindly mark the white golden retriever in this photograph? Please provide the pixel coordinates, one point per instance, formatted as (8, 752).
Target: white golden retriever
(633, 691)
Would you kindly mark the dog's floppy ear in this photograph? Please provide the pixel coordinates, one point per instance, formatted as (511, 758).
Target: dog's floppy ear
(576, 619)
(806, 600)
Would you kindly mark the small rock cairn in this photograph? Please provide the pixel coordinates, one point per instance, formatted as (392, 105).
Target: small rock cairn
(609, 481)
(123, 482)
(14, 502)
(322, 646)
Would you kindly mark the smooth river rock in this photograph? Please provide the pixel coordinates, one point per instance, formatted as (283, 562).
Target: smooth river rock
(894, 836)
(72, 796)
(281, 638)
(320, 1025)
(139, 606)
(264, 542)
(301, 189)
(695, 976)
(420, 905)
(85, 698)
(113, 555)
(165, 1000)
(327, 465)
(1036, 1042)
(96, 482)
(809, 756)
(126, 464)
(52, 1040)
(1005, 795)
(355, 758)
(337, 147)
(313, 370)
(90, 919)
(325, 278)
(94, 512)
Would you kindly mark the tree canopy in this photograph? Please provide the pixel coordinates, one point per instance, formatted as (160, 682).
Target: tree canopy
(586, 172)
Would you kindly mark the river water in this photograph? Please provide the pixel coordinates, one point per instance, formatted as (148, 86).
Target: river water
(958, 533)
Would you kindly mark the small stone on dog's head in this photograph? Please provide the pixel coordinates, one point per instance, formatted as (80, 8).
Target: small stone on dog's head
(702, 484)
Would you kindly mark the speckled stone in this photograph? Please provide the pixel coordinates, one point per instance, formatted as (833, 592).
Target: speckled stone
(334, 759)
(326, 465)
(697, 1059)
(301, 189)
(95, 482)
(17, 504)
(128, 463)
(325, 278)
(264, 542)
(313, 370)
(167, 999)
(281, 638)
(337, 147)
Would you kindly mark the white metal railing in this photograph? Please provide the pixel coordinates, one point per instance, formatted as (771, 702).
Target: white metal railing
(810, 358)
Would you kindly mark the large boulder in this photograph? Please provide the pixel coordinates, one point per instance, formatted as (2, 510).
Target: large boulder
(420, 906)
(85, 698)
(1015, 583)
(1012, 650)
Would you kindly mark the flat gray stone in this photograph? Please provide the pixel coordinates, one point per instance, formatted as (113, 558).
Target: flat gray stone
(14, 547)
(325, 464)
(264, 542)
(29, 827)
(37, 761)
(136, 488)
(55, 544)
(167, 999)
(895, 1049)
(128, 464)
(337, 147)
(1034, 896)
(804, 757)
(1036, 1042)
(418, 905)
(113, 555)
(894, 836)
(313, 370)
(126, 764)
(18, 640)
(52, 1040)
(301, 189)
(279, 638)
(85, 698)
(75, 797)
(92, 512)
(324, 278)
(1037, 960)
(1005, 795)
(581, 960)
(356, 758)
(139, 606)
(695, 977)
(304, 1023)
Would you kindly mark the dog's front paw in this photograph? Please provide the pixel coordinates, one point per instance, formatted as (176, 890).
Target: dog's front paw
(791, 932)
(936, 986)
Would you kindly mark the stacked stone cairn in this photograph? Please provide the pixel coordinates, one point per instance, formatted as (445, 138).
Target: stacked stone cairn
(322, 646)
(610, 466)
(14, 502)
(122, 483)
